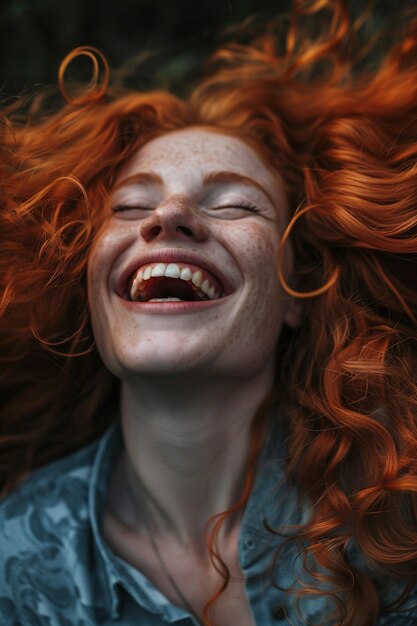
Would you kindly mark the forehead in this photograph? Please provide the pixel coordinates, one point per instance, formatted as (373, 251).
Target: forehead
(200, 150)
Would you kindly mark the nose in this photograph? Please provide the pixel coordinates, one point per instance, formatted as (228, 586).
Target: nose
(174, 218)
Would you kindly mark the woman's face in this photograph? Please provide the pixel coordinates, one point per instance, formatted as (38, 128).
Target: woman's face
(182, 276)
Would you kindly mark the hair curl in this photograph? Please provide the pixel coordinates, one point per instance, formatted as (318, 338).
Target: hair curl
(343, 134)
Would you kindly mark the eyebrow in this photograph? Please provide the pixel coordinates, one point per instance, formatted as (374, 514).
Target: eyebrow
(221, 177)
(141, 178)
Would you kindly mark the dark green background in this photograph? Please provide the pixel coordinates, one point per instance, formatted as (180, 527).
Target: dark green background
(36, 34)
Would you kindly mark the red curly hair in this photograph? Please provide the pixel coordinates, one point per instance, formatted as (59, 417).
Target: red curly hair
(343, 134)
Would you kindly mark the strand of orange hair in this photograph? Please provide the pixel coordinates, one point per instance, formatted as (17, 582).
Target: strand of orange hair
(343, 136)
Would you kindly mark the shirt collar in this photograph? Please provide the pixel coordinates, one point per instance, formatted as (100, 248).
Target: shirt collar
(271, 500)
(274, 501)
(118, 574)
(109, 445)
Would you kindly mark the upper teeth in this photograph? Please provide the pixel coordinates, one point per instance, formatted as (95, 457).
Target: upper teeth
(172, 270)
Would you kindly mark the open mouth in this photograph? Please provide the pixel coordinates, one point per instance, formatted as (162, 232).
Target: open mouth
(173, 282)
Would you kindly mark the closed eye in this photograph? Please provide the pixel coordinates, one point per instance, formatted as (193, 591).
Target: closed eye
(239, 205)
(127, 207)
(131, 211)
(228, 211)
(234, 210)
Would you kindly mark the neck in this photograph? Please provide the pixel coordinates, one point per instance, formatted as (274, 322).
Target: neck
(186, 452)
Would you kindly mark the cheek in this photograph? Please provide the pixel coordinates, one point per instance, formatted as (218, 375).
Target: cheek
(104, 253)
(262, 312)
(98, 314)
(108, 246)
(255, 249)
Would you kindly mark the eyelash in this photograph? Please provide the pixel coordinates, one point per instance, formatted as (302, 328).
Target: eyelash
(126, 207)
(236, 205)
(240, 205)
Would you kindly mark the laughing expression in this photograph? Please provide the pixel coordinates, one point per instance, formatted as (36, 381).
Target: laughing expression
(182, 275)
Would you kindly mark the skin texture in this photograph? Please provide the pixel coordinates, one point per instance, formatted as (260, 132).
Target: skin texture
(231, 338)
(191, 380)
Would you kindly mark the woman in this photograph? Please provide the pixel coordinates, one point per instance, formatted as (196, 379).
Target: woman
(251, 432)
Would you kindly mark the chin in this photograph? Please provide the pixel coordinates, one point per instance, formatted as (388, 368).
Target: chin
(154, 361)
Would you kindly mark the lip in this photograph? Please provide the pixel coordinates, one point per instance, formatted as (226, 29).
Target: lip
(174, 255)
(171, 308)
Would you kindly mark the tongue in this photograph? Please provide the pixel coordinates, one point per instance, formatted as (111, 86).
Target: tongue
(163, 287)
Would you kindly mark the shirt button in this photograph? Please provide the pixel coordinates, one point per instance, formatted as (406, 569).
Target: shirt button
(279, 612)
(249, 544)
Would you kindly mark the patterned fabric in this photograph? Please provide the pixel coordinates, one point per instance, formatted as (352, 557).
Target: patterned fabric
(56, 569)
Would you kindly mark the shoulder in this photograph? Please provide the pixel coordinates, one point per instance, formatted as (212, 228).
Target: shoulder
(57, 487)
(406, 613)
(43, 525)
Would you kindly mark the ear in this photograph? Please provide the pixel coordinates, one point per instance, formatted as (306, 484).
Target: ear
(294, 313)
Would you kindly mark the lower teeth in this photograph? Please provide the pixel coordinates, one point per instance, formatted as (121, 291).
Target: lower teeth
(165, 300)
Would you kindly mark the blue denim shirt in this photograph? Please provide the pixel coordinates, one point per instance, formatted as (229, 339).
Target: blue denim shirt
(56, 569)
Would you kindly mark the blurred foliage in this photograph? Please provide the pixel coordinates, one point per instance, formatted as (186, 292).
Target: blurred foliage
(167, 38)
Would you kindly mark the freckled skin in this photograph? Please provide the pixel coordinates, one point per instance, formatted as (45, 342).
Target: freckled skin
(191, 381)
(236, 337)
